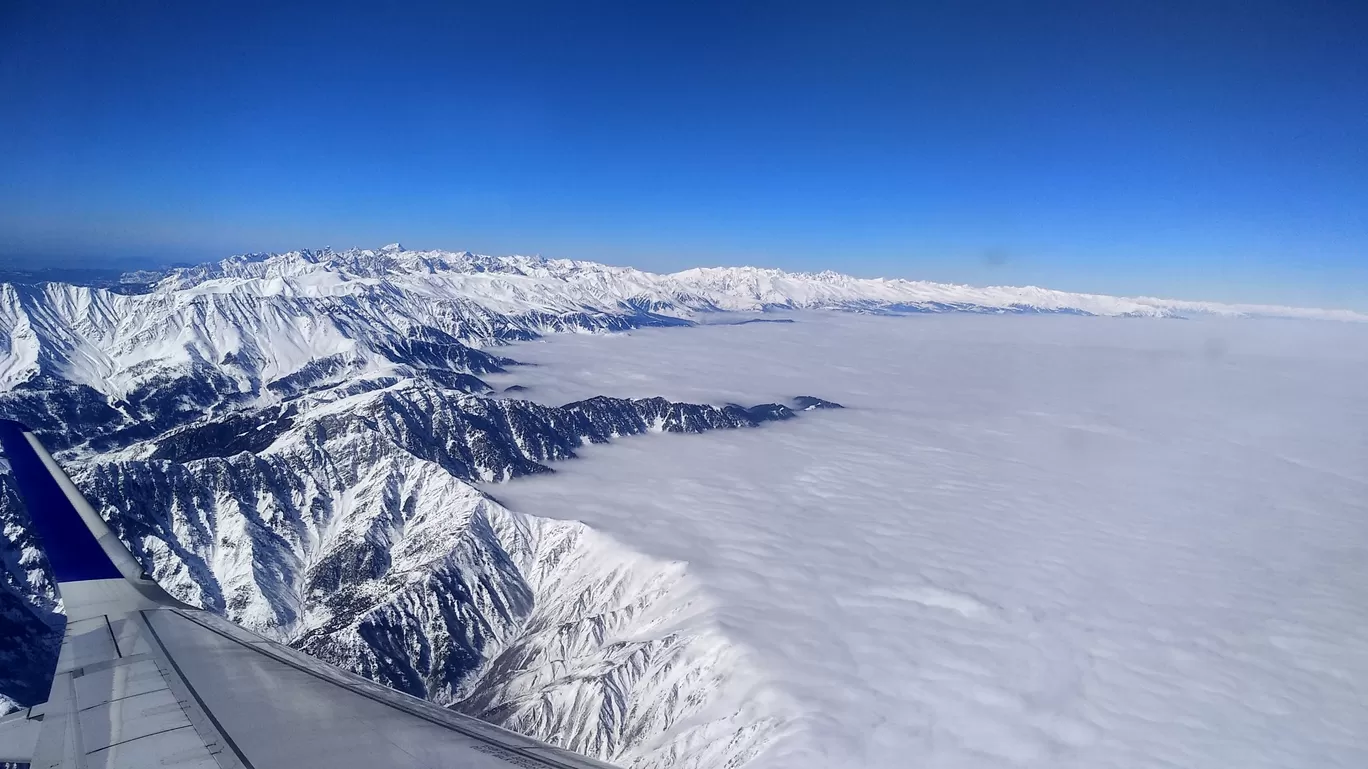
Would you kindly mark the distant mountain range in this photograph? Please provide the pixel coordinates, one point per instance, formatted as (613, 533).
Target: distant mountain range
(218, 335)
(605, 287)
(293, 440)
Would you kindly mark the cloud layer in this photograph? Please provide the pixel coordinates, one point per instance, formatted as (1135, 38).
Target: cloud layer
(1029, 541)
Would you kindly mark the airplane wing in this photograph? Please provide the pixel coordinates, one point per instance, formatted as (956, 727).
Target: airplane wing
(144, 680)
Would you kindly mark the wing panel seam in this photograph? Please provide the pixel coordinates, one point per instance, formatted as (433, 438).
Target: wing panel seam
(227, 738)
(113, 638)
(142, 737)
(73, 722)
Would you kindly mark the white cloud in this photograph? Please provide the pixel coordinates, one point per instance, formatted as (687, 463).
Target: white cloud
(1031, 541)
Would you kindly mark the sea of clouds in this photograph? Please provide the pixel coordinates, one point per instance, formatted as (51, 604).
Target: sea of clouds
(1028, 541)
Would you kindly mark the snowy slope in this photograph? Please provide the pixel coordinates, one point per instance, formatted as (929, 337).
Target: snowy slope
(384, 559)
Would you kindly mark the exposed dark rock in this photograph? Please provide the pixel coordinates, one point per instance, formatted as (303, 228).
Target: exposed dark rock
(809, 403)
(62, 413)
(430, 348)
(224, 437)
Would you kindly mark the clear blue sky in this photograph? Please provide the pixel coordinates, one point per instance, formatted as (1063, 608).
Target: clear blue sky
(1196, 149)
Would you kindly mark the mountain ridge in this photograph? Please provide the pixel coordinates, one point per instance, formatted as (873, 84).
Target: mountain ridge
(702, 288)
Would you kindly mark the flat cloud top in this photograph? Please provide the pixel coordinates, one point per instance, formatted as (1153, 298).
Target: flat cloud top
(1028, 541)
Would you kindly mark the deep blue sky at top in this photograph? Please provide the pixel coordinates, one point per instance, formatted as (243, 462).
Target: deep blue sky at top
(1198, 149)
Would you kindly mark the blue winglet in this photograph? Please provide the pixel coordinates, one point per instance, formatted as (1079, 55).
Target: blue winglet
(72, 550)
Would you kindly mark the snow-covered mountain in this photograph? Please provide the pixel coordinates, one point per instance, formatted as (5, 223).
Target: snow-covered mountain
(294, 439)
(348, 526)
(305, 465)
(528, 286)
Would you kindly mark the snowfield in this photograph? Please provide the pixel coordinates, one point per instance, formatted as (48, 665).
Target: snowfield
(1035, 541)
